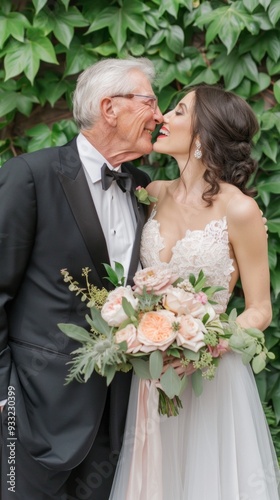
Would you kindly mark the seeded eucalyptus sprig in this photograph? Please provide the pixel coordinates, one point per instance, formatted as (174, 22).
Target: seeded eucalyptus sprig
(95, 297)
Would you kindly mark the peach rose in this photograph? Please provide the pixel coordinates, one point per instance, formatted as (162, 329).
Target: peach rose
(191, 333)
(220, 349)
(155, 330)
(128, 335)
(112, 311)
(154, 279)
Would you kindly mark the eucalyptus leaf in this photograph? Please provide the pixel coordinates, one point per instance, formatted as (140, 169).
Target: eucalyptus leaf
(97, 322)
(128, 308)
(75, 332)
(141, 368)
(171, 383)
(156, 364)
(258, 363)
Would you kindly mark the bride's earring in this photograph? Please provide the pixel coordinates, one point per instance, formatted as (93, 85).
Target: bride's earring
(197, 153)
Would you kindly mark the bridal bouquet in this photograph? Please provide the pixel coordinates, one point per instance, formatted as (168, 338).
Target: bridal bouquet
(164, 327)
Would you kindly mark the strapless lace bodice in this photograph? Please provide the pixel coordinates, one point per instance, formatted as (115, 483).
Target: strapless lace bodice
(206, 249)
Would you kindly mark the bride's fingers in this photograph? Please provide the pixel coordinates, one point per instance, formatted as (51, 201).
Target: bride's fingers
(265, 222)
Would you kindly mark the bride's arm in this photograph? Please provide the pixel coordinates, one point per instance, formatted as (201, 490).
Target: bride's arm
(248, 238)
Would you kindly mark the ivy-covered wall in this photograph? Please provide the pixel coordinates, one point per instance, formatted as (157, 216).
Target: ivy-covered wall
(45, 44)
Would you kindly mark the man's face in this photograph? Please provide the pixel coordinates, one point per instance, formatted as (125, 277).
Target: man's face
(137, 118)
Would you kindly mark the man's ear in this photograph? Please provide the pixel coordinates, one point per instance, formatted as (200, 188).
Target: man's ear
(108, 111)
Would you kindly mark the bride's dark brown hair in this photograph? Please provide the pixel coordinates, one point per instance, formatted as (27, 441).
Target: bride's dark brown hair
(225, 125)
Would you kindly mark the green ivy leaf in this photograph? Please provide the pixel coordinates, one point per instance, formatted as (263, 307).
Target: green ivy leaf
(63, 32)
(108, 48)
(170, 6)
(227, 23)
(274, 11)
(25, 57)
(44, 137)
(39, 4)
(13, 24)
(65, 3)
(7, 104)
(118, 20)
(206, 76)
(270, 149)
(263, 83)
(276, 90)
(79, 57)
(272, 185)
(274, 226)
(265, 3)
(175, 39)
(250, 4)
(272, 68)
(234, 68)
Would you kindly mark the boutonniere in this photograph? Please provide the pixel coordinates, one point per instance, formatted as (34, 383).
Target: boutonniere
(143, 196)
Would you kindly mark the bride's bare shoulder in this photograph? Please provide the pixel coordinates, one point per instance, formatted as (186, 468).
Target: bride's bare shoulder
(157, 188)
(242, 209)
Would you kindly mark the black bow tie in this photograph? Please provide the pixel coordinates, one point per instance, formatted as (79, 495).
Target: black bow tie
(123, 180)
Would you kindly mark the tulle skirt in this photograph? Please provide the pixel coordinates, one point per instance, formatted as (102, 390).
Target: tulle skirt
(218, 448)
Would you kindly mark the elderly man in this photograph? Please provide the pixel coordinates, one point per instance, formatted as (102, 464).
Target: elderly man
(65, 207)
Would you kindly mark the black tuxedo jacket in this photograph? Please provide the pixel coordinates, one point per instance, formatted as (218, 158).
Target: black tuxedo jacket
(48, 222)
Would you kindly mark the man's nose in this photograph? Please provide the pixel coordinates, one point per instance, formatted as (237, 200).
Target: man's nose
(158, 116)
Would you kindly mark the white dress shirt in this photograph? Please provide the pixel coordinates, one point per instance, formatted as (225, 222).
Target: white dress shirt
(114, 207)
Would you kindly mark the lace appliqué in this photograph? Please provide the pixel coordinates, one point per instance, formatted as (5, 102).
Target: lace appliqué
(206, 249)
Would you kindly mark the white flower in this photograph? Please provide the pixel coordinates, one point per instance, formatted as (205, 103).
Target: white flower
(112, 311)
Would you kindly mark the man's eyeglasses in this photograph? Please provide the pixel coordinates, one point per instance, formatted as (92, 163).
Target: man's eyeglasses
(150, 100)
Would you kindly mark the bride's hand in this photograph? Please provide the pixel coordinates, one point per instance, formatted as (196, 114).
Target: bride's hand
(178, 366)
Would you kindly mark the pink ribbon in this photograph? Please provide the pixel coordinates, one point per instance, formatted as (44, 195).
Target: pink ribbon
(145, 478)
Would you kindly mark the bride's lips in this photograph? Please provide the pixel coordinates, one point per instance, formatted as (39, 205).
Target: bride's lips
(164, 132)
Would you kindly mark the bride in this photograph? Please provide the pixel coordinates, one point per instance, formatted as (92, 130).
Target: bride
(219, 447)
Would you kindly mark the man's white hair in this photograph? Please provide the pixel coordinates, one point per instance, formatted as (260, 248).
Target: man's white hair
(105, 78)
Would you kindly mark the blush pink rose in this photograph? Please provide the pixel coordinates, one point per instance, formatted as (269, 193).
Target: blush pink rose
(220, 349)
(128, 335)
(180, 302)
(155, 330)
(191, 333)
(112, 311)
(154, 279)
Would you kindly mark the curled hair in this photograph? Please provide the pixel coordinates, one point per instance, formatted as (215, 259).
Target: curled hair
(225, 124)
(105, 78)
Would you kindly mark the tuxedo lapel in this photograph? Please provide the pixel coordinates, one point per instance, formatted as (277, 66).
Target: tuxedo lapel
(75, 186)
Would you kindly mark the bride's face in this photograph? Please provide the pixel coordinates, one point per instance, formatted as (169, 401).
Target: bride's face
(174, 136)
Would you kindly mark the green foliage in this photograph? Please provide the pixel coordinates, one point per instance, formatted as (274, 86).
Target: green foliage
(44, 44)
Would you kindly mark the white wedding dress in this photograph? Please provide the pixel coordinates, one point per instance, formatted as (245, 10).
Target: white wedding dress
(219, 447)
